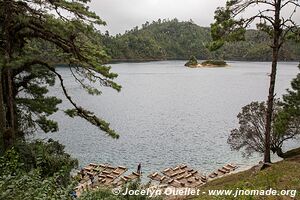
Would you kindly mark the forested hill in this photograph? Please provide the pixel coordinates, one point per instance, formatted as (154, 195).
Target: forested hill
(171, 39)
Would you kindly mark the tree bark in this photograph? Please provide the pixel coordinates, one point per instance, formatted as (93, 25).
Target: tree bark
(9, 136)
(7, 80)
(280, 153)
(2, 116)
(275, 46)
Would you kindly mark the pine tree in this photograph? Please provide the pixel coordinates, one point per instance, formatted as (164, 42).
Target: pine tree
(230, 26)
(287, 122)
(34, 37)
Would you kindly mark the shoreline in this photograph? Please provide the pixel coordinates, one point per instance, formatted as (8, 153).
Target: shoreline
(114, 61)
(207, 66)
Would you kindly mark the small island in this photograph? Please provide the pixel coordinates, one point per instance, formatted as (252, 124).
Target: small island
(193, 63)
(214, 63)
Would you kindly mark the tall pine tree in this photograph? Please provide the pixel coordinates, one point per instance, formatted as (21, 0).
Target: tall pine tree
(35, 36)
(230, 25)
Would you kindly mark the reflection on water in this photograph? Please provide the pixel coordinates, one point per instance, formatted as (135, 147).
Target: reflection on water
(167, 114)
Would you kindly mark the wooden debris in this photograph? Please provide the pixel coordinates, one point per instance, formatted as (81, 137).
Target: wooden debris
(183, 166)
(93, 165)
(223, 170)
(99, 174)
(95, 175)
(179, 176)
(166, 170)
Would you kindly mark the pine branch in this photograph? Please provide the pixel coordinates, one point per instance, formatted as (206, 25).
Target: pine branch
(77, 111)
(81, 112)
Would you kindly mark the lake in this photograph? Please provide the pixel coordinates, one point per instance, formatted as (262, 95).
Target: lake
(167, 114)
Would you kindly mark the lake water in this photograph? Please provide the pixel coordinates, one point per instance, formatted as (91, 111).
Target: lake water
(167, 114)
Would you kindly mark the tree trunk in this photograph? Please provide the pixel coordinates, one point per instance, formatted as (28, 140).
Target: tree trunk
(10, 133)
(280, 153)
(7, 79)
(2, 117)
(275, 46)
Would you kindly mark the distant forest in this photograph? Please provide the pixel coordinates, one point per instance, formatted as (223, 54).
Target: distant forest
(172, 39)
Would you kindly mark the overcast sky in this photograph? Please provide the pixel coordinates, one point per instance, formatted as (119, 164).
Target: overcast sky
(122, 15)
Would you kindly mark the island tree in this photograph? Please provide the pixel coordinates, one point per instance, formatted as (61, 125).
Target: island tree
(192, 62)
(35, 36)
(230, 25)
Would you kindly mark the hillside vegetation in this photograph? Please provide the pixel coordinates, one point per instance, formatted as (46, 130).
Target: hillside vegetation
(172, 39)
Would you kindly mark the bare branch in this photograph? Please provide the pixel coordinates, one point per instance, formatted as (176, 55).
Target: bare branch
(290, 2)
(239, 8)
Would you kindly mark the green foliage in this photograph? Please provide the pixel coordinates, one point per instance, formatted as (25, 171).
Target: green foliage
(192, 61)
(49, 157)
(34, 108)
(171, 39)
(230, 25)
(46, 158)
(291, 101)
(93, 119)
(99, 194)
(33, 42)
(249, 136)
(10, 163)
(214, 62)
(226, 28)
(288, 120)
(159, 40)
(17, 184)
(108, 195)
(32, 185)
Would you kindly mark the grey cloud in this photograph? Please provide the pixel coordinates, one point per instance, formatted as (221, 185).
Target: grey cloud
(122, 15)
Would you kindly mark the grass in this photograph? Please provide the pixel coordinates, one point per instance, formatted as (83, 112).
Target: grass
(283, 175)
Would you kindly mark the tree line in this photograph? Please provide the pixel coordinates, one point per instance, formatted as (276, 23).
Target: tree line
(173, 39)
